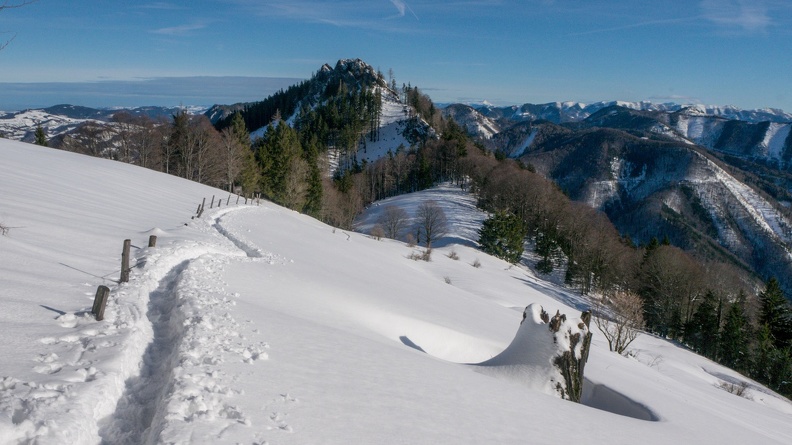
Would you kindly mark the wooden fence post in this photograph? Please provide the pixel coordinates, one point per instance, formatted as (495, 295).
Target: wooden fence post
(237, 203)
(212, 203)
(125, 261)
(228, 201)
(153, 241)
(100, 300)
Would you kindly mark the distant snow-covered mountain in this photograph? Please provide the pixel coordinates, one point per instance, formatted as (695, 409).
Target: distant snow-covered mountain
(64, 118)
(560, 112)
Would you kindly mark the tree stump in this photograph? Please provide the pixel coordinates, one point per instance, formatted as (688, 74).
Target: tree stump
(572, 361)
(547, 353)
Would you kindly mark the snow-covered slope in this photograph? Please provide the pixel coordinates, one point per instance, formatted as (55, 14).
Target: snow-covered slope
(391, 130)
(22, 125)
(255, 324)
(61, 119)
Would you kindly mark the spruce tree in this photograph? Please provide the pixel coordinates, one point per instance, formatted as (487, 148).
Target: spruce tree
(313, 198)
(734, 339)
(776, 313)
(41, 136)
(502, 235)
(701, 333)
(240, 130)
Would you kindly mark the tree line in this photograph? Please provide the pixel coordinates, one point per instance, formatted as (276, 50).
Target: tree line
(713, 308)
(188, 146)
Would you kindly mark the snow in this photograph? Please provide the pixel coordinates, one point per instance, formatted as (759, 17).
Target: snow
(519, 151)
(255, 324)
(774, 140)
(394, 113)
(759, 209)
(18, 125)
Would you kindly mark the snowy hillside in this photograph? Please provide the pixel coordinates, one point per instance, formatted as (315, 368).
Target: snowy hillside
(255, 324)
(391, 137)
(22, 125)
(61, 119)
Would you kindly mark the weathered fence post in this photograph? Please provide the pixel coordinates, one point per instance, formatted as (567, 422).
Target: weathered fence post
(153, 241)
(211, 205)
(237, 203)
(100, 300)
(229, 200)
(125, 261)
(198, 212)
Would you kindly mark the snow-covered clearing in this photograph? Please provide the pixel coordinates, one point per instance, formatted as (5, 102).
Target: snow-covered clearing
(255, 324)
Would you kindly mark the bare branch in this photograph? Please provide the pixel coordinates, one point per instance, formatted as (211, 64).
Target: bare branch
(6, 5)
(7, 42)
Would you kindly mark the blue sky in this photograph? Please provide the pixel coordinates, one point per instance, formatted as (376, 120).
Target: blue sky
(723, 52)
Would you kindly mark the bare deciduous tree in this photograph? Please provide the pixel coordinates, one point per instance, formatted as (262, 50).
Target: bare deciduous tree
(393, 221)
(431, 221)
(620, 319)
(232, 157)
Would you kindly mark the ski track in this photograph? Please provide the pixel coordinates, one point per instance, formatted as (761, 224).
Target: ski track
(148, 373)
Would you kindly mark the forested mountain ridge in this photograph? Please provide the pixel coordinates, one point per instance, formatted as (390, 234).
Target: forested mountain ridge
(718, 187)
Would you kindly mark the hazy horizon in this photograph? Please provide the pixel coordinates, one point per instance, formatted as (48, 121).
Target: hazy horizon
(165, 91)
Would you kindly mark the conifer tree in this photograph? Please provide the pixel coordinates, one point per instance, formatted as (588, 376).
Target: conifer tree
(733, 342)
(239, 130)
(41, 136)
(278, 154)
(502, 235)
(776, 313)
(313, 196)
(702, 330)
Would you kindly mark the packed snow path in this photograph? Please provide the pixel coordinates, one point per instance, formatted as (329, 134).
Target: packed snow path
(193, 334)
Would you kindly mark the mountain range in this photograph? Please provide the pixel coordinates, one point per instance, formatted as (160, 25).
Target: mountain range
(714, 180)
(717, 186)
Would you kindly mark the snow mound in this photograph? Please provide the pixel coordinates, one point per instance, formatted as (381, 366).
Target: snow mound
(529, 359)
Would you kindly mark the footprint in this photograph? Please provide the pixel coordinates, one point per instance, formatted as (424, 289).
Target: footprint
(88, 374)
(47, 358)
(67, 320)
(48, 368)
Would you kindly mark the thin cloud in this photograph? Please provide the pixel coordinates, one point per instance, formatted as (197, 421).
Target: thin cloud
(343, 14)
(647, 23)
(403, 7)
(742, 15)
(179, 30)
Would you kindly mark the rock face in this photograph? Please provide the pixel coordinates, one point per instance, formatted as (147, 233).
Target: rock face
(547, 354)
